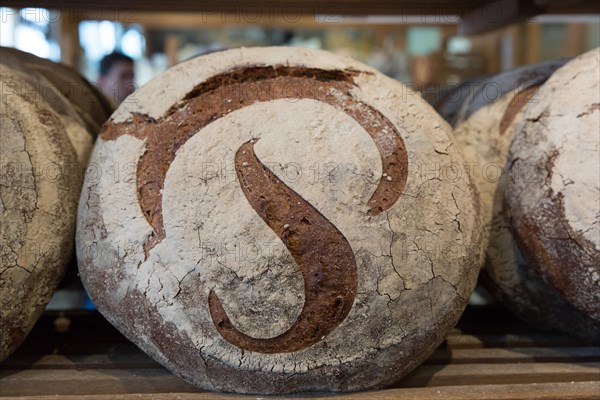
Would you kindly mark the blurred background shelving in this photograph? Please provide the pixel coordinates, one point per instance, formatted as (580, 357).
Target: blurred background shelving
(426, 44)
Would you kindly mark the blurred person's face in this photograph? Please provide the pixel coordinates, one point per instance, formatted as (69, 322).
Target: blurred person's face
(118, 83)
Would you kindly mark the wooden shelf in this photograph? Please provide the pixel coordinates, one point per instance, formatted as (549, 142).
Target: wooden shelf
(476, 16)
(345, 7)
(490, 355)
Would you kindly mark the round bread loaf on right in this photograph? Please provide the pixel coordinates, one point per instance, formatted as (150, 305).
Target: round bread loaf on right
(553, 194)
(485, 137)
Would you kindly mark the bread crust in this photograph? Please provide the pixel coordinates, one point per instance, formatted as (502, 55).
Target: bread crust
(153, 283)
(485, 138)
(39, 189)
(553, 191)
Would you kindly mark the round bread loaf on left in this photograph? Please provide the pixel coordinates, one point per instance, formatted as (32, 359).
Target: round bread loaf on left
(39, 188)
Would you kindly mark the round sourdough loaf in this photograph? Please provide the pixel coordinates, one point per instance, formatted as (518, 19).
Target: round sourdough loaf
(39, 187)
(485, 138)
(285, 220)
(553, 193)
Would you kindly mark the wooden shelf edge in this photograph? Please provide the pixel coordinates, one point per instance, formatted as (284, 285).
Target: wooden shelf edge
(543, 391)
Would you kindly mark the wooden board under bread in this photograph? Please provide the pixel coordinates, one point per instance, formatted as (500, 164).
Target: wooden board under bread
(490, 355)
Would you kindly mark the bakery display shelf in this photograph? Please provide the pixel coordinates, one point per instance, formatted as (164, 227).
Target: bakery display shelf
(476, 16)
(341, 7)
(489, 355)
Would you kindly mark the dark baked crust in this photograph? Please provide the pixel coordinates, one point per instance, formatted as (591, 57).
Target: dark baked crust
(516, 104)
